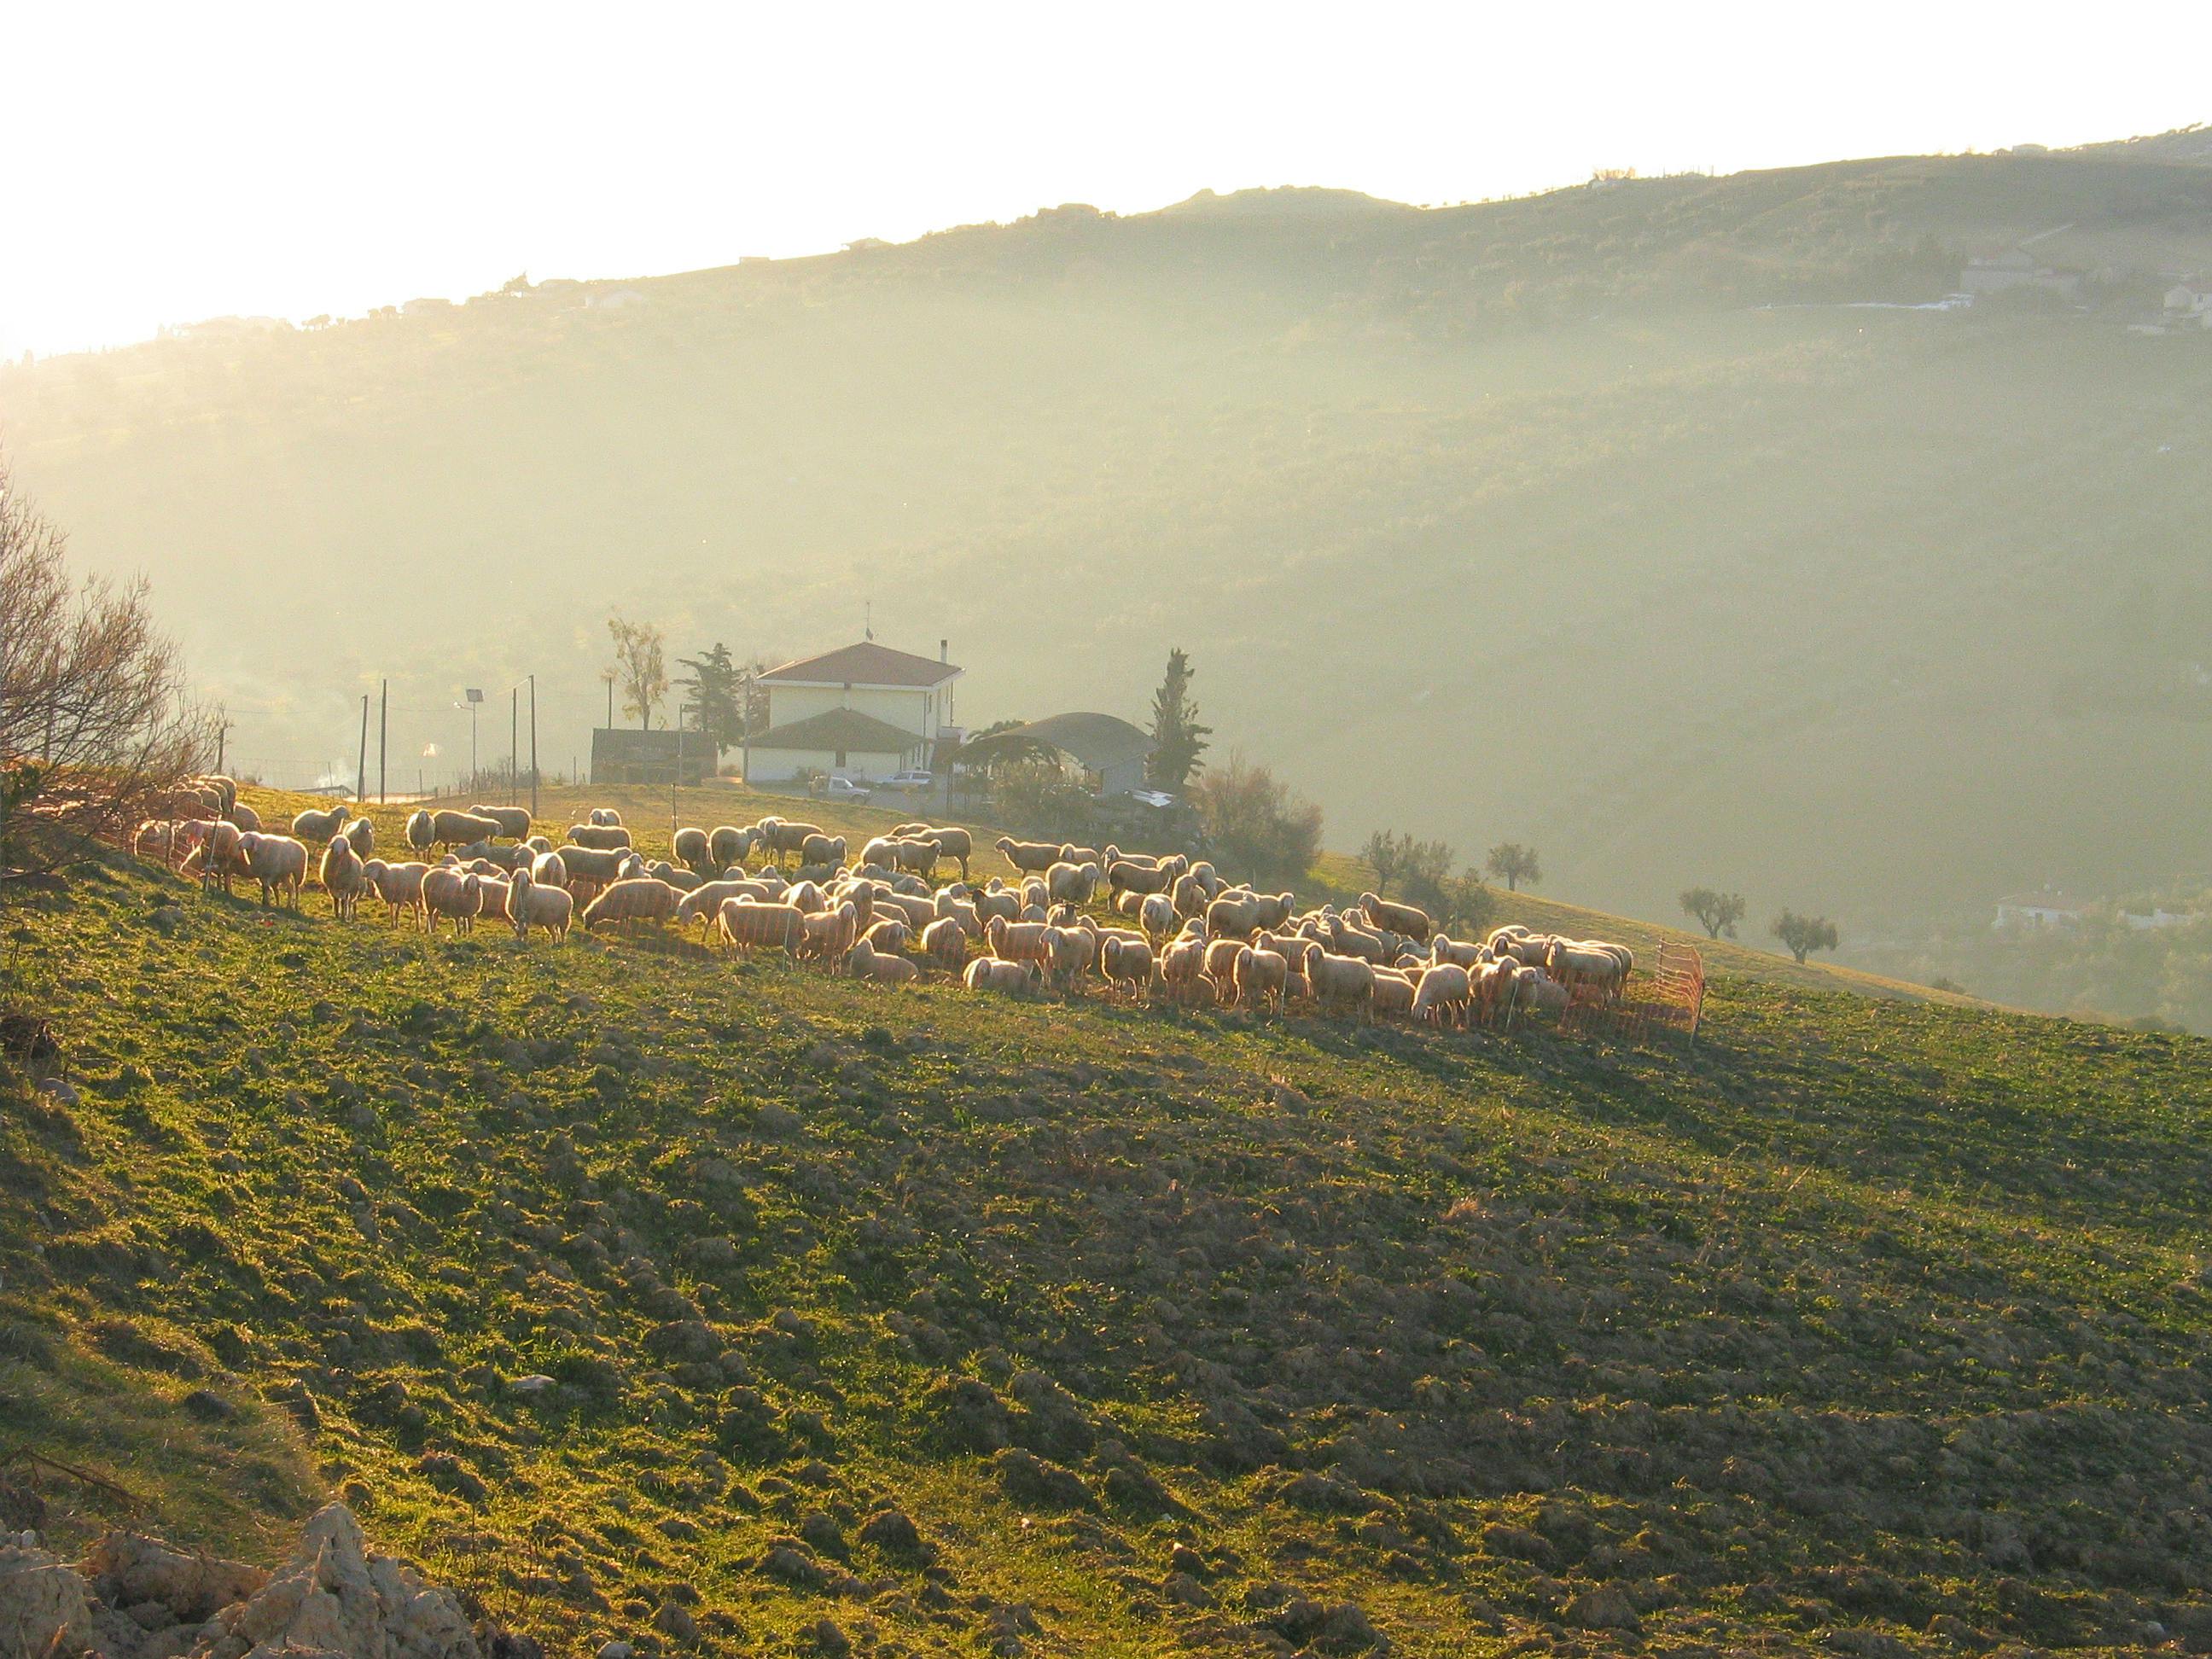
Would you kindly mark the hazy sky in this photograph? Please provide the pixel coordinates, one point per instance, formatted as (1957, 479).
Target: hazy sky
(167, 163)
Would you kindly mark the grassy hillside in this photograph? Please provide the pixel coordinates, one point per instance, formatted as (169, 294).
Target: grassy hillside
(1607, 520)
(1863, 1323)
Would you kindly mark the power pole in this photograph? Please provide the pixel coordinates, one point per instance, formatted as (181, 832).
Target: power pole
(383, 735)
(513, 741)
(360, 777)
(533, 746)
(221, 737)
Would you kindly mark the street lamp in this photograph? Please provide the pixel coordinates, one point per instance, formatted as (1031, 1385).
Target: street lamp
(474, 696)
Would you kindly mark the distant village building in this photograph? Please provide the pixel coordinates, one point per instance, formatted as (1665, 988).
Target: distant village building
(860, 712)
(2017, 268)
(2043, 909)
(617, 298)
(2190, 304)
(1108, 751)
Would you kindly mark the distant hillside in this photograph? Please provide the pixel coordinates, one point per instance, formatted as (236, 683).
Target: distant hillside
(1647, 522)
(719, 1306)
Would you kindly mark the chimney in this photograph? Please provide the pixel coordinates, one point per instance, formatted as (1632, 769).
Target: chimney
(945, 651)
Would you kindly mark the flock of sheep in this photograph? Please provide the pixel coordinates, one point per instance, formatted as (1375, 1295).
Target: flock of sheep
(1169, 928)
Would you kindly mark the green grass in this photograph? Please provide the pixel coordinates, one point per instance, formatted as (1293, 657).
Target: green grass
(1859, 1314)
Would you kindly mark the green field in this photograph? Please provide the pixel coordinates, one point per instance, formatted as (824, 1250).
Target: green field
(1863, 1323)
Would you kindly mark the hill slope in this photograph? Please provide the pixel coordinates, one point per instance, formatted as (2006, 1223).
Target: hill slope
(1596, 518)
(1861, 1322)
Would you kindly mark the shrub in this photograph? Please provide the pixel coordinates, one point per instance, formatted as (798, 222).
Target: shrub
(1257, 828)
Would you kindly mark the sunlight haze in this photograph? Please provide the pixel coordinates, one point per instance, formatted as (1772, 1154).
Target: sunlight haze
(170, 165)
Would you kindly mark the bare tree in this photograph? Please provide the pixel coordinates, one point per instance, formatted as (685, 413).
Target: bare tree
(640, 667)
(95, 725)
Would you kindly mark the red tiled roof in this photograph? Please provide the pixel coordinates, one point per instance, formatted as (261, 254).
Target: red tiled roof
(866, 663)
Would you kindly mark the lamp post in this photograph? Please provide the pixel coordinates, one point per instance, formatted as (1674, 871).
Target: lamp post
(475, 694)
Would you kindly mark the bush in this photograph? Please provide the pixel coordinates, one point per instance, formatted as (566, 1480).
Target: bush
(1257, 828)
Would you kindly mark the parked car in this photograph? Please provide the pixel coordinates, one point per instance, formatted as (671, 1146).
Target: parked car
(905, 782)
(1152, 797)
(844, 789)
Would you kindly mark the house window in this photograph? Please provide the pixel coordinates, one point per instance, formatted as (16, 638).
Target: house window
(841, 757)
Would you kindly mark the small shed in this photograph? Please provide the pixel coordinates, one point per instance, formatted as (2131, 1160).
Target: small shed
(620, 755)
(1110, 751)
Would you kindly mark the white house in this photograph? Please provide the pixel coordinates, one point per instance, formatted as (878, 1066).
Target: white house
(2189, 302)
(2043, 909)
(861, 712)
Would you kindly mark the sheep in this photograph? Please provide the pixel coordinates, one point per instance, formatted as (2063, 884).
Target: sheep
(918, 912)
(1340, 982)
(964, 910)
(743, 921)
(341, 877)
(781, 837)
(513, 821)
(1034, 892)
(417, 830)
(1444, 996)
(1126, 962)
(1068, 952)
(1016, 941)
(1071, 854)
(605, 817)
(1576, 962)
(279, 863)
(247, 819)
(951, 843)
(1124, 876)
(1156, 914)
(828, 935)
(505, 859)
(1260, 978)
(1442, 949)
(864, 962)
(399, 885)
(632, 898)
(692, 848)
(318, 824)
(603, 837)
(1008, 978)
(1409, 919)
(1542, 995)
(1189, 895)
(1004, 902)
(727, 845)
(496, 892)
(890, 934)
(595, 864)
(550, 869)
(1129, 904)
(1028, 854)
(1220, 960)
(361, 835)
(1070, 883)
(1351, 940)
(1182, 963)
(452, 894)
(683, 880)
(703, 903)
(944, 943)
(531, 905)
(156, 838)
(822, 849)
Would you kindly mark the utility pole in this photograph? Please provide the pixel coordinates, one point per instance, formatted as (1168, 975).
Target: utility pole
(475, 703)
(221, 737)
(533, 746)
(513, 741)
(383, 735)
(360, 777)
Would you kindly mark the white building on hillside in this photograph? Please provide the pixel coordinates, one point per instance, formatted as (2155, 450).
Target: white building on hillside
(861, 712)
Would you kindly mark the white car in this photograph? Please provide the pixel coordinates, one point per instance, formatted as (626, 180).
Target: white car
(1152, 797)
(904, 782)
(845, 789)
